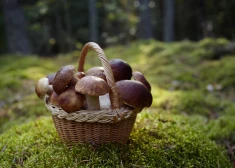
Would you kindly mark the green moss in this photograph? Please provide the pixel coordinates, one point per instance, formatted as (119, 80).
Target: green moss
(27, 109)
(211, 46)
(224, 75)
(160, 144)
(223, 128)
(189, 102)
(15, 70)
(179, 73)
(213, 43)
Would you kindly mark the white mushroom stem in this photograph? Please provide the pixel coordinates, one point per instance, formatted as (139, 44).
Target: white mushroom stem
(92, 102)
(105, 101)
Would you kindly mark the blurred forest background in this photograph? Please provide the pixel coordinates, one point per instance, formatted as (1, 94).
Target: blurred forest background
(48, 27)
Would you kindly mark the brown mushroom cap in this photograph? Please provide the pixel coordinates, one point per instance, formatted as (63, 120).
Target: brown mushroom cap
(140, 77)
(121, 69)
(70, 100)
(73, 81)
(96, 71)
(41, 87)
(54, 99)
(62, 78)
(79, 75)
(92, 85)
(134, 93)
(51, 78)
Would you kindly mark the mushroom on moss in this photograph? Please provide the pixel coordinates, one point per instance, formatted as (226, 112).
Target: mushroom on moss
(138, 76)
(92, 87)
(62, 78)
(134, 94)
(121, 69)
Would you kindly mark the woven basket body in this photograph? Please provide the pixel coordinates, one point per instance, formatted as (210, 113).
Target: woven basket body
(112, 125)
(95, 133)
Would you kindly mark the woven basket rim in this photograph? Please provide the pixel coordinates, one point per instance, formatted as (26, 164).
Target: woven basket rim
(100, 116)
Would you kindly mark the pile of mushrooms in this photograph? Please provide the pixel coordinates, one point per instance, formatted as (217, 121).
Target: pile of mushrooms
(74, 91)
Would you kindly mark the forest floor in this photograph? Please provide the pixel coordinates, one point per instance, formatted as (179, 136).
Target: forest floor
(190, 123)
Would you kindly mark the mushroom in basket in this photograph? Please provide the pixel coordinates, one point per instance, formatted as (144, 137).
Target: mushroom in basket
(53, 99)
(134, 94)
(92, 87)
(62, 78)
(70, 100)
(96, 71)
(138, 76)
(42, 88)
(121, 69)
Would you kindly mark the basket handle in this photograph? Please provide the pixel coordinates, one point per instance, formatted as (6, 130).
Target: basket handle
(107, 70)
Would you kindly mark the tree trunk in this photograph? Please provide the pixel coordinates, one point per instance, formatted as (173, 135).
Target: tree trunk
(68, 25)
(127, 26)
(16, 28)
(59, 30)
(168, 20)
(93, 21)
(145, 26)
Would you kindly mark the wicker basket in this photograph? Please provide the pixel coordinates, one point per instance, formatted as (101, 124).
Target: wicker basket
(112, 125)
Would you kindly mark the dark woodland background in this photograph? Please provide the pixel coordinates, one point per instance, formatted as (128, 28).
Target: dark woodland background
(48, 27)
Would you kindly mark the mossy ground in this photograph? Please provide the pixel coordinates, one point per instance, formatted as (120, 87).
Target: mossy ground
(159, 144)
(190, 123)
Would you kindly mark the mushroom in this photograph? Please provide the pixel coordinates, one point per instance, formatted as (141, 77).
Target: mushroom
(96, 71)
(70, 100)
(50, 90)
(105, 102)
(138, 76)
(62, 78)
(92, 87)
(121, 69)
(99, 72)
(73, 81)
(54, 99)
(42, 87)
(79, 75)
(134, 94)
(51, 78)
